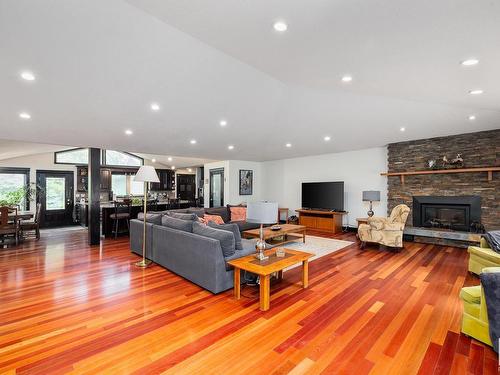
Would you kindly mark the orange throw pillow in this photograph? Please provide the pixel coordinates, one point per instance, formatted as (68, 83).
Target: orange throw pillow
(215, 218)
(238, 213)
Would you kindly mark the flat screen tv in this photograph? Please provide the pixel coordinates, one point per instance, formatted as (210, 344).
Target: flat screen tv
(323, 195)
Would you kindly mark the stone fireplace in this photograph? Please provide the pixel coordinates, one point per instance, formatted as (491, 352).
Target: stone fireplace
(447, 202)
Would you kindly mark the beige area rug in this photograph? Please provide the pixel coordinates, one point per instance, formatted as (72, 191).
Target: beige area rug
(318, 245)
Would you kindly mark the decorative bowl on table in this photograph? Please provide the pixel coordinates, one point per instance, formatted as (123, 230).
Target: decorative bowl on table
(275, 227)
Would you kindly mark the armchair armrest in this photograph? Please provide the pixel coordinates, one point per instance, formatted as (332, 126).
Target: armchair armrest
(377, 223)
(394, 226)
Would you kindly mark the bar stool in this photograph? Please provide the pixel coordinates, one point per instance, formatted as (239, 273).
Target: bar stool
(122, 212)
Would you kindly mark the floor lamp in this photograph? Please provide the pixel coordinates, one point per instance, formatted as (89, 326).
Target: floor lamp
(145, 174)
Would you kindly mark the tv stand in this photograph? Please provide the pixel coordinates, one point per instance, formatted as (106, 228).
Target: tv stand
(322, 220)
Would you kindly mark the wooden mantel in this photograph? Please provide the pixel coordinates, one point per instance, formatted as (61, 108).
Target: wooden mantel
(402, 175)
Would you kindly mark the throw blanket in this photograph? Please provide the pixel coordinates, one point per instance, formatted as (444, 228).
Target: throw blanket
(493, 239)
(491, 286)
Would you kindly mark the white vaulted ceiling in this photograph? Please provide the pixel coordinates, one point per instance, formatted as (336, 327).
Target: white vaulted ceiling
(100, 64)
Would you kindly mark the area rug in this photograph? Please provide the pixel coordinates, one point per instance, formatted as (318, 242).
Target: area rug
(318, 245)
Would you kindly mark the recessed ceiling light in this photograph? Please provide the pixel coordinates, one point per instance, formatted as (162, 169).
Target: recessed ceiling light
(25, 116)
(470, 62)
(346, 79)
(190, 170)
(402, 129)
(153, 160)
(223, 123)
(472, 117)
(129, 132)
(230, 147)
(280, 26)
(28, 76)
(169, 158)
(476, 92)
(155, 107)
(327, 138)
(192, 141)
(172, 167)
(288, 145)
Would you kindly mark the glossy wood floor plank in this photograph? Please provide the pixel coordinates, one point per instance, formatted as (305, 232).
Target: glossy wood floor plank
(70, 308)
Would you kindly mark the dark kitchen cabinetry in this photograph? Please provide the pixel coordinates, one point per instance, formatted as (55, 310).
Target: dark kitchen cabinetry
(82, 182)
(167, 180)
(105, 179)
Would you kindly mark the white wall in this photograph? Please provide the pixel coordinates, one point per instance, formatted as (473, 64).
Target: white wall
(360, 170)
(232, 181)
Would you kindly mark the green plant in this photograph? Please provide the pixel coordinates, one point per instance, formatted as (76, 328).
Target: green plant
(23, 194)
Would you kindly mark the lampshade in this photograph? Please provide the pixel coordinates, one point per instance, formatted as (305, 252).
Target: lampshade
(262, 212)
(371, 195)
(146, 173)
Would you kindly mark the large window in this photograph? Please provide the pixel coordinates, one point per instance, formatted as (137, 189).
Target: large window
(124, 184)
(122, 159)
(55, 193)
(75, 156)
(14, 183)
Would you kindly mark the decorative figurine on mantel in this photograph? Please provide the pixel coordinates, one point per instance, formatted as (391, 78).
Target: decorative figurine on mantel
(432, 164)
(457, 162)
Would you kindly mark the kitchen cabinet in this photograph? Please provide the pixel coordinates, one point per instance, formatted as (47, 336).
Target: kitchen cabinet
(167, 180)
(105, 179)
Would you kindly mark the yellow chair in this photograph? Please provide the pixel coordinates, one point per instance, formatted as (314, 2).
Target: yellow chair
(481, 257)
(475, 316)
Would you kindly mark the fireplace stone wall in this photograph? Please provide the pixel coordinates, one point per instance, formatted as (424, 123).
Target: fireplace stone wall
(479, 149)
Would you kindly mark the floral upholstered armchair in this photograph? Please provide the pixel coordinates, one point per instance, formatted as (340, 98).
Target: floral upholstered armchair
(387, 231)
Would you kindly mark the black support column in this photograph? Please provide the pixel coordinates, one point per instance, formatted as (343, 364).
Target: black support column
(94, 187)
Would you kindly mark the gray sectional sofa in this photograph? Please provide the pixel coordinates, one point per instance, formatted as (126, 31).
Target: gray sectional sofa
(194, 251)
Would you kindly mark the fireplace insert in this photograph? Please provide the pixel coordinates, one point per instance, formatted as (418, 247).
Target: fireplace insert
(454, 213)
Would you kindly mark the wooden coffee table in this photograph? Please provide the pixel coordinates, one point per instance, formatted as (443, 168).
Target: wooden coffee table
(264, 268)
(287, 233)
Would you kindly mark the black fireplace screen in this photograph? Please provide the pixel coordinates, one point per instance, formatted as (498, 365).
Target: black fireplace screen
(455, 212)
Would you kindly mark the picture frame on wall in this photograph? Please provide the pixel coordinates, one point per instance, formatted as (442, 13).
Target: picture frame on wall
(246, 182)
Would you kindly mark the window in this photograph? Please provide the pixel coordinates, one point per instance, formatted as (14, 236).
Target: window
(14, 183)
(119, 184)
(124, 184)
(74, 156)
(55, 193)
(122, 159)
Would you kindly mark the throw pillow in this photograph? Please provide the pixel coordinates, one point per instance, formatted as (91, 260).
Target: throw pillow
(182, 216)
(223, 212)
(238, 213)
(179, 224)
(225, 237)
(214, 218)
(150, 218)
(232, 228)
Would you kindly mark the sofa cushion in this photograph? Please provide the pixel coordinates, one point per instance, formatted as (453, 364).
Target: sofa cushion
(200, 212)
(182, 216)
(232, 228)
(221, 211)
(471, 294)
(484, 253)
(212, 218)
(248, 248)
(243, 225)
(238, 213)
(179, 224)
(226, 238)
(151, 218)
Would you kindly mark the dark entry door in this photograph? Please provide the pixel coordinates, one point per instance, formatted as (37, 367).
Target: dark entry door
(217, 187)
(56, 196)
(186, 186)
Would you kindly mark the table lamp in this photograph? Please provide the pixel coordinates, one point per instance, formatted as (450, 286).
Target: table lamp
(371, 196)
(262, 213)
(145, 174)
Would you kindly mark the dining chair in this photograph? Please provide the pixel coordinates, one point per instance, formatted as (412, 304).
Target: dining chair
(27, 226)
(8, 224)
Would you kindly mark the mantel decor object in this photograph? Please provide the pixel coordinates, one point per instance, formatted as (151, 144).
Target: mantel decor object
(371, 196)
(145, 174)
(261, 213)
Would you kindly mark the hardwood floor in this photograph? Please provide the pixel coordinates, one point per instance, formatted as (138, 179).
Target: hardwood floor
(70, 308)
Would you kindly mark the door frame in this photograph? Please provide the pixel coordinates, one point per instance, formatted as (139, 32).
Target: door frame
(211, 173)
(38, 198)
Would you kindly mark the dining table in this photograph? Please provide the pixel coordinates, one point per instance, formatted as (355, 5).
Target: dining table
(21, 215)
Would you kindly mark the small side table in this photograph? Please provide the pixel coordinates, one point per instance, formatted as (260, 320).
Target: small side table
(280, 211)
